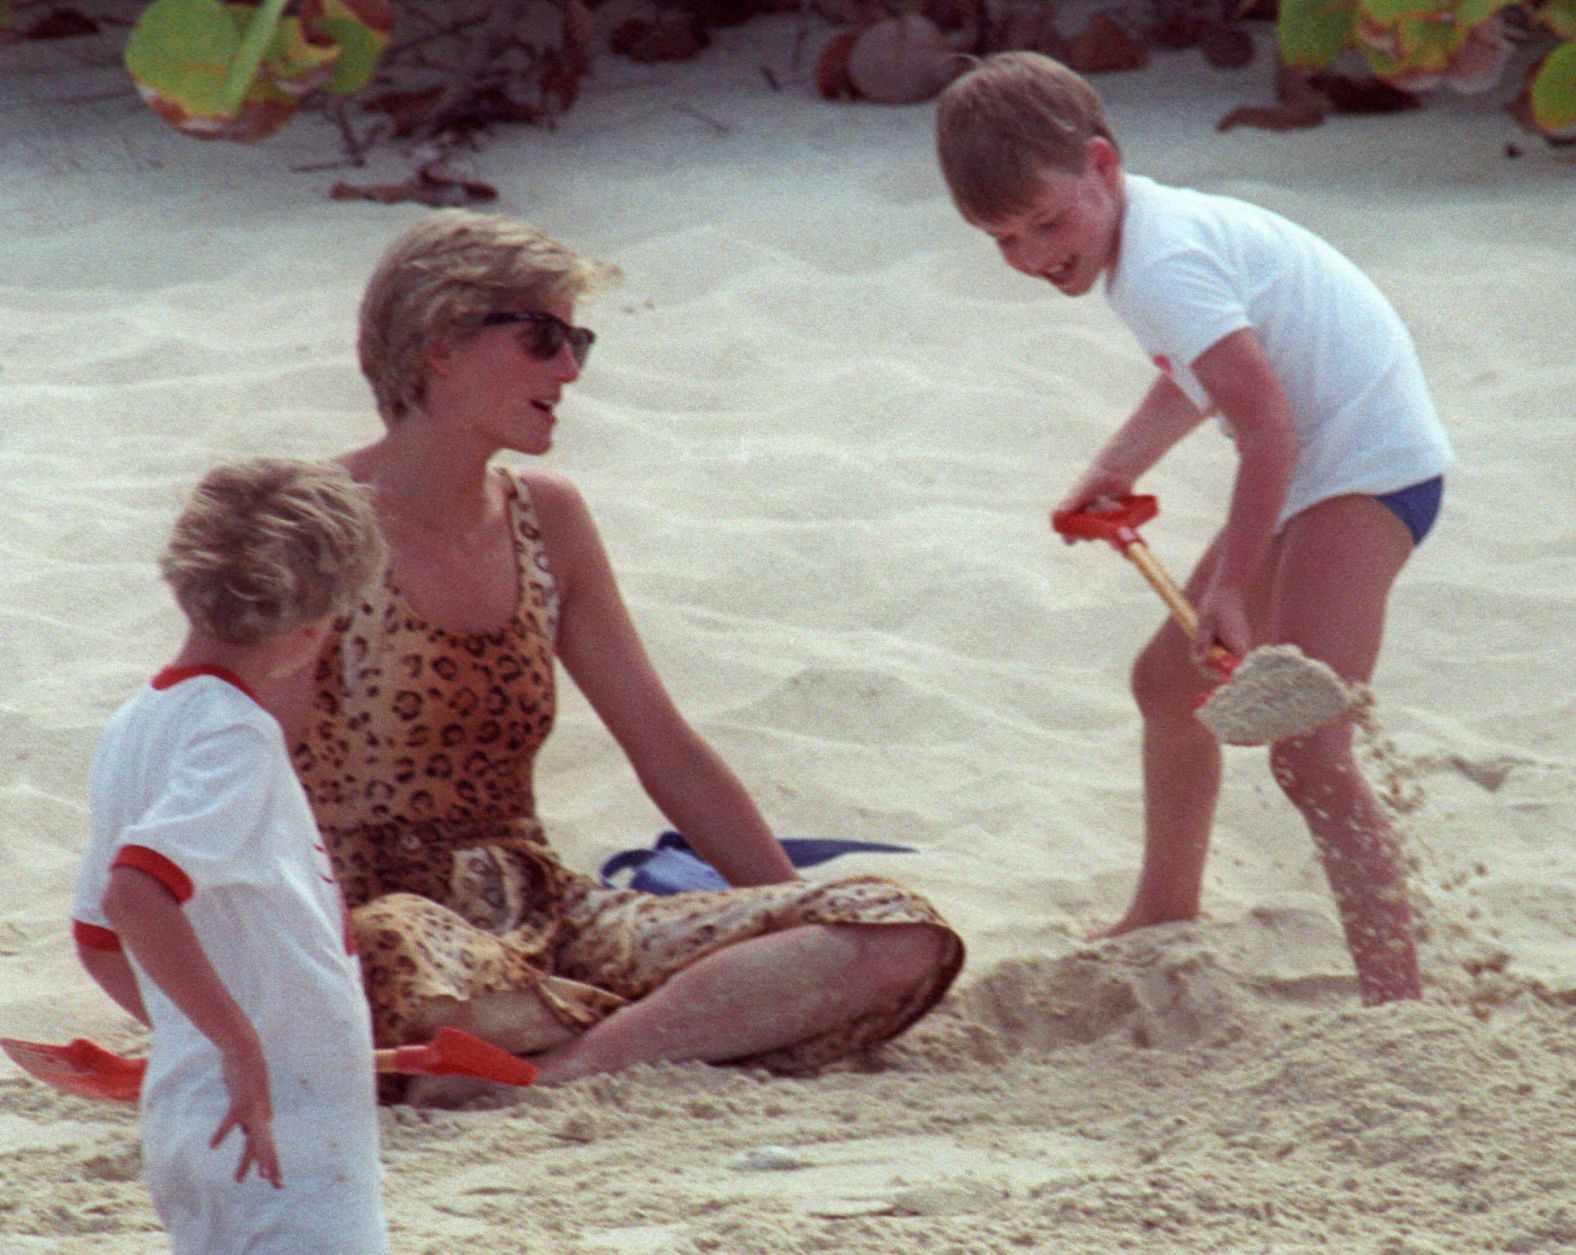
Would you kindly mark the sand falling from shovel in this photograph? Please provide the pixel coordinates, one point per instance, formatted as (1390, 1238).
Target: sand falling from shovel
(1275, 692)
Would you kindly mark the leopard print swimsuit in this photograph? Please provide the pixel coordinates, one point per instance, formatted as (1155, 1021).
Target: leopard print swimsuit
(417, 757)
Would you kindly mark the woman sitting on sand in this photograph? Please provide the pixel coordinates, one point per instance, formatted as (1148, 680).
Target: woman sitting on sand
(418, 731)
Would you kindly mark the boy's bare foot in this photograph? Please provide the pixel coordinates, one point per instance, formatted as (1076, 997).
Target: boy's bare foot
(1136, 919)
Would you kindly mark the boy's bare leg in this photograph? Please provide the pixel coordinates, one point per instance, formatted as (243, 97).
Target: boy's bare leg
(1334, 567)
(755, 996)
(1182, 766)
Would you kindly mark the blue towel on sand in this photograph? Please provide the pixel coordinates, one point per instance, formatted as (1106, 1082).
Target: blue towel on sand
(671, 866)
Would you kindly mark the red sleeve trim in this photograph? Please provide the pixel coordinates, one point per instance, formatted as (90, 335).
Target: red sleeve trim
(169, 677)
(93, 937)
(156, 865)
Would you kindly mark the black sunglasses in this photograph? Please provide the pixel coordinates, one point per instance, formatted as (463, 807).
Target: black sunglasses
(551, 333)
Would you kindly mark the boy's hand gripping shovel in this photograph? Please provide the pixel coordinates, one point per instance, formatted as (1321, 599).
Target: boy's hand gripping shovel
(1274, 693)
(86, 1068)
(1119, 528)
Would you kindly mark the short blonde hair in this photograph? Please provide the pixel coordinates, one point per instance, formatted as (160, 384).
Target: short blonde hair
(1009, 119)
(441, 277)
(269, 545)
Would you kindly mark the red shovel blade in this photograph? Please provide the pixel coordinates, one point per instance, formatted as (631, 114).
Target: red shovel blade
(453, 1053)
(79, 1067)
(86, 1068)
(1118, 525)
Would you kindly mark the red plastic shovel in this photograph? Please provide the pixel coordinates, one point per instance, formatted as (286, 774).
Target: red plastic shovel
(1119, 527)
(86, 1068)
(1277, 693)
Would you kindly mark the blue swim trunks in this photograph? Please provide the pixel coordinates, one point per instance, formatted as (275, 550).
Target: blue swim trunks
(1417, 506)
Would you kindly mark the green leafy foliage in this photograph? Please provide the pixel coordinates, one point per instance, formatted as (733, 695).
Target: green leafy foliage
(1313, 32)
(239, 72)
(1559, 16)
(1553, 90)
(1418, 44)
(360, 29)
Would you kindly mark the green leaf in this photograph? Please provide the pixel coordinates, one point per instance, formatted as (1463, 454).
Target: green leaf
(360, 29)
(1553, 90)
(1560, 17)
(1383, 65)
(1428, 45)
(1313, 32)
(1389, 12)
(181, 51)
(254, 46)
(297, 63)
(190, 57)
(1474, 12)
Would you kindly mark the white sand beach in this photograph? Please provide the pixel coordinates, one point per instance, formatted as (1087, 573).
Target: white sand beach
(821, 431)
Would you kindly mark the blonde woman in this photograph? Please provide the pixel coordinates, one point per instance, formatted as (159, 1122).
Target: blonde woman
(419, 729)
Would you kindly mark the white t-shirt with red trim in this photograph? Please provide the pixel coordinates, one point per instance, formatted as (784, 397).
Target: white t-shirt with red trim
(1194, 267)
(192, 784)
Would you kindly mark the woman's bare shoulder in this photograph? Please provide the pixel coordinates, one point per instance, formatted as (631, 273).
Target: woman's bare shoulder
(557, 502)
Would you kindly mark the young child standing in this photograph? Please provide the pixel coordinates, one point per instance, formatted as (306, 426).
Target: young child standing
(206, 905)
(1340, 460)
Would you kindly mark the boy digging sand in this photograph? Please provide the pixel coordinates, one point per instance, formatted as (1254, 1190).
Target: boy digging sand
(1340, 455)
(204, 864)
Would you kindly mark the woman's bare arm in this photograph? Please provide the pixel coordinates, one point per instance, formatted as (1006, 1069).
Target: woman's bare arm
(603, 653)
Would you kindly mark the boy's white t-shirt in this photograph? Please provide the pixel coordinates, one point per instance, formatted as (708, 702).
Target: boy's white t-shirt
(192, 783)
(1194, 267)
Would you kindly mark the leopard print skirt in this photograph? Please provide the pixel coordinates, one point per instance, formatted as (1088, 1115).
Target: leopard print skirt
(506, 916)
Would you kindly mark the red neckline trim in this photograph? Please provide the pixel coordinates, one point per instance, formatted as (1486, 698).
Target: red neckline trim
(171, 676)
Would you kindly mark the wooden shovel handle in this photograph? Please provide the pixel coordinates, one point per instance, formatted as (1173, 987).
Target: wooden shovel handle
(1118, 527)
(1136, 552)
(1176, 600)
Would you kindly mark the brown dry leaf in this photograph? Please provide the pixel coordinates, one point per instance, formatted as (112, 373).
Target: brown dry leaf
(1292, 87)
(1176, 27)
(1225, 47)
(432, 185)
(558, 81)
(1362, 95)
(578, 32)
(60, 24)
(951, 15)
(669, 38)
(1103, 46)
(406, 109)
(1272, 117)
(831, 68)
(1030, 27)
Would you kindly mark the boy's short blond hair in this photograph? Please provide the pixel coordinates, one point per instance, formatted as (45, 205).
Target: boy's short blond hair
(441, 277)
(1009, 119)
(269, 545)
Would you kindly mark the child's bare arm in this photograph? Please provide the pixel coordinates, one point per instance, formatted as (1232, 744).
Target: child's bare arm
(155, 929)
(111, 972)
(1162, 418)
(1244, 387)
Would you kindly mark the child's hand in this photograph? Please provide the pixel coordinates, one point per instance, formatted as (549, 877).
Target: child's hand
(246, 1077)
(1223, 621)
(1098, 489)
